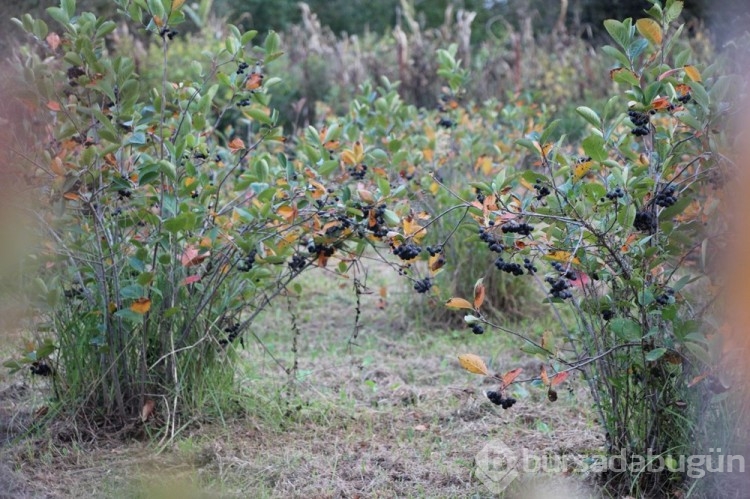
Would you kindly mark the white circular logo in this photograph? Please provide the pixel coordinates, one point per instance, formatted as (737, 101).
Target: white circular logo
(497, 466)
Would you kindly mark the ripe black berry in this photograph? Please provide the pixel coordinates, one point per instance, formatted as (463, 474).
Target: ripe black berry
(297, 263)
(246, 263)
(508, 403)
(423, 285)
(495, 397)
(616, 193)
(514, 227)
(477, 329)
(551, 395)
(645, 221)
(542, 191)
(607, 314)
(666, 197)
(407, 251)
(446, 123)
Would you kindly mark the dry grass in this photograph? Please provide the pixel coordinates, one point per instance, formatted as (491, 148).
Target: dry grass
(390, 416)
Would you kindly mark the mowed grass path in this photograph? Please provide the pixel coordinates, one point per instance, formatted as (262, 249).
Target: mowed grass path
(389, 413)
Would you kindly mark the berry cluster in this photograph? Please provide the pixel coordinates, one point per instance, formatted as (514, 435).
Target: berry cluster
(40, 368)
(247, 262)
(232, 331)
(684, 99)
(645, 221)
(434, 250)
(497, 399)
(423, 285)
(641, 122)
(509, 267)
(616, 193)
(491, 241)
(297, 263)
(514, 227)
(73, 73)
(168, 32)
(320, 249)
(529, 266)
(608, 314)
(358, 172)
(542, 191)
(665, 298)
(559, 287)
(407, 251)
(379, 229)
(242, 67)
(666, 197)
(124, 193)
(243, 103)
(477, 329)
(446, 123)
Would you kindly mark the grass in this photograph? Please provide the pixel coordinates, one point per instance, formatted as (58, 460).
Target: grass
(388, 413)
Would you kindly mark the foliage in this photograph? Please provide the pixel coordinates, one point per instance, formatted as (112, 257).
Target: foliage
(617, 231)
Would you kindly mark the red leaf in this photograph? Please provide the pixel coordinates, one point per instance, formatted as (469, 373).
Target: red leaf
(559, 378)
(191, 279)
(510, 376)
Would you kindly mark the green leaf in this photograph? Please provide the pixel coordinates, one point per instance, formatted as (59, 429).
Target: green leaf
(625, 329)
(69, 6)
(655, 354)
(619, 32)
(593, 146)
(590, 115)
(674, 11)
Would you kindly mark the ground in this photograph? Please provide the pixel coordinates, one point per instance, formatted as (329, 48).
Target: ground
(388, 414)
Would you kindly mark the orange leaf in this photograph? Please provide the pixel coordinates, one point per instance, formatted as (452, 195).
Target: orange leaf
(191, 256)
(57, 166)
(288, 212)
(236, 145)
(559, 378)
(543, 375)
(72, 196)
(436, 262)
(473, 363)
(511, 376)
(254, 81)
(148, 409)
(53, 106)
(697, 380)
(158, 21)
(478, 293)
(458, 303)
(650, 30)
(692, 73)
(141, 305)
(176, 4)
(53, 40)
(660, 103)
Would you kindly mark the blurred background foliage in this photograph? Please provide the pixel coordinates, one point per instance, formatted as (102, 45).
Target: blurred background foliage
(583, 17)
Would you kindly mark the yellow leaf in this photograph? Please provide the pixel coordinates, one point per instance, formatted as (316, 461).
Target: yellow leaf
(473, 363)
(141, 305)
(562, 256)
(428, 154)
(479, 293)
(176, 4)
(581, 168)
(459, 303)
(412, 228)
(359, 152)
(527, 184)
(650, 30)
(483, 164)
(434, 188)
(692, 73)
(347, 156)
(287, 212)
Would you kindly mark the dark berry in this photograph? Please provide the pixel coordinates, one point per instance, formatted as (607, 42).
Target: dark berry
(423, 285)
(495, 397)
(607, 314)
(477, 329)
(552, 395)
(645, 221)
(508, 403)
